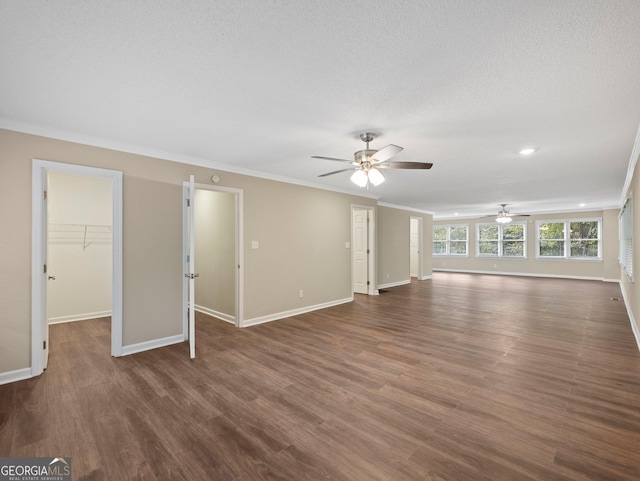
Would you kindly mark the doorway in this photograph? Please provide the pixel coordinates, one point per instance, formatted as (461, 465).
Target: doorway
(84, 235)
(213, 255)
(363, 267)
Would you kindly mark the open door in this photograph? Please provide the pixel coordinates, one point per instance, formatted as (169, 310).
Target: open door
(39, 256)
(190, 274)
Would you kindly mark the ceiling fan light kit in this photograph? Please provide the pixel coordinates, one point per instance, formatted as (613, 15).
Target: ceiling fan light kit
(368, 162)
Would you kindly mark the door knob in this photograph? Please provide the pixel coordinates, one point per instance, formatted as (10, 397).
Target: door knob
(51, 278)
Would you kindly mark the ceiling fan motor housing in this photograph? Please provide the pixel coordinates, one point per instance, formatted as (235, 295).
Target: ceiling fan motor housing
(363, 156)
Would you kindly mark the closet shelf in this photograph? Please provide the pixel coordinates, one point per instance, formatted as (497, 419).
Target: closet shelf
(85, 234)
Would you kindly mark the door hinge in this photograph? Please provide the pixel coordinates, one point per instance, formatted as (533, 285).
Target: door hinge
(368, 251)
(45, 268)
(45, 195)
(188, 259)
(44, 344)
(188, 202)
(368, 282)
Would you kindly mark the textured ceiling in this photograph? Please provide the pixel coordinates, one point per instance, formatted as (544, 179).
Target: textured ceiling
(260, 86)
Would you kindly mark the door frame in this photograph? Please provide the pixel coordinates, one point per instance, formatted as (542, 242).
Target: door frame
(239, 203)
(371, 233)
(420, 273)
(39, 321)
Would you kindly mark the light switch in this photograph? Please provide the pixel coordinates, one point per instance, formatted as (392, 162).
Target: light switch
(255, 245)
(347, 245)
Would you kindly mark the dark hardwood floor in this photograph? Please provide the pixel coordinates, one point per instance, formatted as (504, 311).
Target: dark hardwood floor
(463, 377)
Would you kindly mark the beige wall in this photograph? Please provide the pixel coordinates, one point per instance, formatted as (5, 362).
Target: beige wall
(393, 226)
(215, 249)
(607, 269)
(301, 233)
(80, 261)
(631, 290)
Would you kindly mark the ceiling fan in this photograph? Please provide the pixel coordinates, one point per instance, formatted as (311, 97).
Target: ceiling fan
(504, 216)
(368, 162)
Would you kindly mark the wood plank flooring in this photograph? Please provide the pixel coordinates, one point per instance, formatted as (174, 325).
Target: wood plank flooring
(463, 377)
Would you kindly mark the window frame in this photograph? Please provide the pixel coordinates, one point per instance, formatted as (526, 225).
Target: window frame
(448, 239)
(567, 239)
(500, 240)
(625, 238)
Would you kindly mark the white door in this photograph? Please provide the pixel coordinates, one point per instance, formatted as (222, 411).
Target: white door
(190, 274)
(360, 251)
(39, 268)
(47, 274)
(413, 247)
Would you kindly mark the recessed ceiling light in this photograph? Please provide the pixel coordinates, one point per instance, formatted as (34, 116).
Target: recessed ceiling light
(455, 213)
(527, 151)
(583, 204)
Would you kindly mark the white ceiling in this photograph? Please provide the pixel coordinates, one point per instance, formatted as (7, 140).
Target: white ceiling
(261, 85)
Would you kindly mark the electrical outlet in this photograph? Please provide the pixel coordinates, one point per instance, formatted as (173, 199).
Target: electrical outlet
(300, 293)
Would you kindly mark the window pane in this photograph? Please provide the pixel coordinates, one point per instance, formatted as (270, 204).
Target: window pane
(551, 230)
(552, 248)
(584, 248)
(488, 232)
(488, 248)
(439, 248)
(458, 247)
(439, 233)
(584, 230)
(513, 249)
(458, 233)
(513, 231)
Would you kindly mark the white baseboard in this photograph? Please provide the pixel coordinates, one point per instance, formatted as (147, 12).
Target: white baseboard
(218, 315)
(294, 312)
(521, 274)
(79, 317)
(394, 284)
(148, 345)
(425, 278)
(13, 376)
(634, 325)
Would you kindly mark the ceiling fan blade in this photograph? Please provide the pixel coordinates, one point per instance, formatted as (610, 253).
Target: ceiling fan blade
(405, 165)
(335, 172)
(386, 153)
(331, 158)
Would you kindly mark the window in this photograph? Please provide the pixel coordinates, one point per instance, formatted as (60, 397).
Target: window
(450, 240)
(569, 239)
(502, 240)
(625, 225)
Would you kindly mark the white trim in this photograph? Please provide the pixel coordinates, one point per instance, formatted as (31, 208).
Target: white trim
(522, 274)
(634, 325)
(633, 160)
(425, 278)
(409, 209)
(479, 217)
(13, 376)
(294, 312)
(218, 315)
(40, 169)
(170, 156)
(154, 344)
(79, 317)
(394, 284)
(239, 248)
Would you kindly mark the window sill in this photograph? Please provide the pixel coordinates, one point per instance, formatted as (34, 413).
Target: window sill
(450, 256)
(570, 259)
